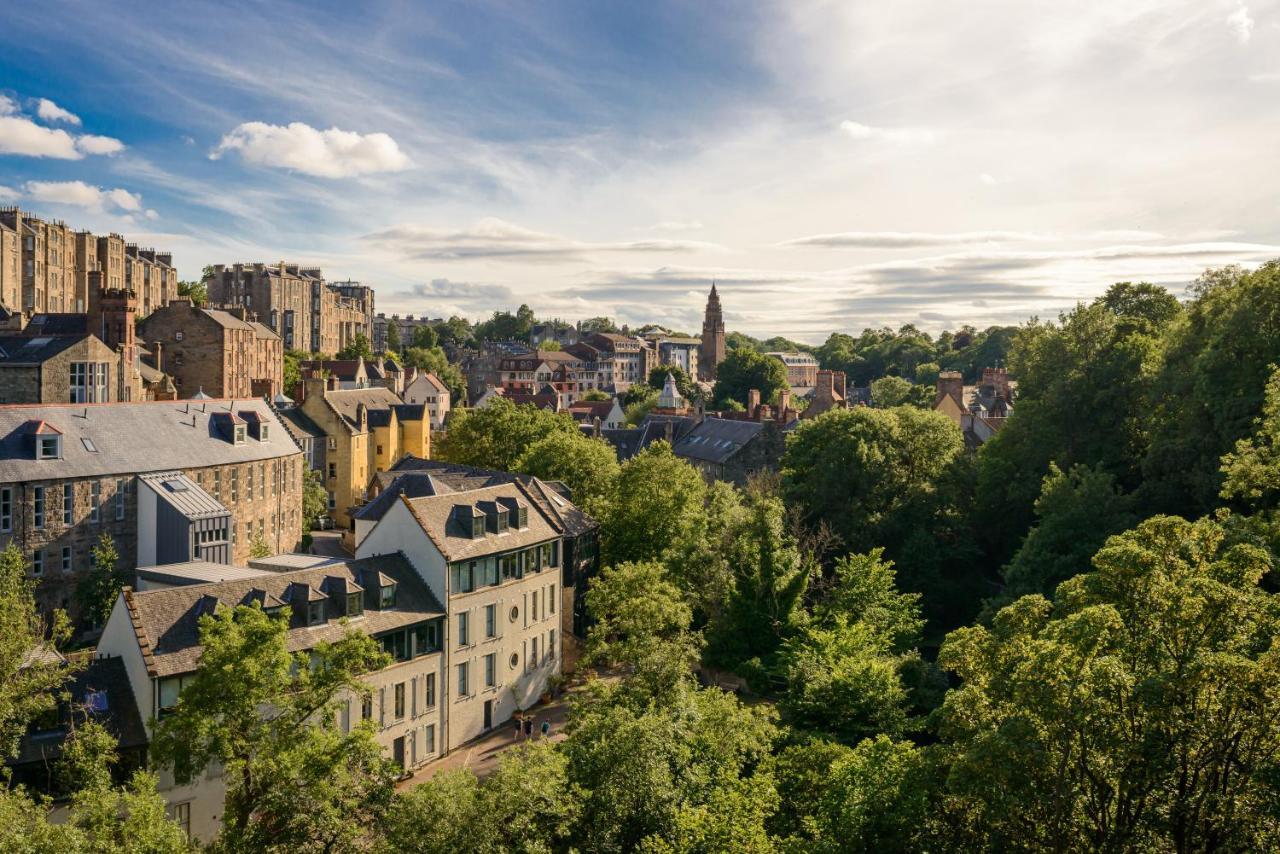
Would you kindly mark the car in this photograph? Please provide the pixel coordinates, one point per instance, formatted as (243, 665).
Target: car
(325, 523)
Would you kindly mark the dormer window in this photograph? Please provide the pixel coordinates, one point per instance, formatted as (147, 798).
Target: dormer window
(49, 447)
(264, 431)
(522, 517)
(355, 604)
(315, 613)
(387, 599)
(239, 434)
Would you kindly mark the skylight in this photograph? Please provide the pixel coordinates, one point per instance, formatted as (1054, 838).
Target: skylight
(88, 444)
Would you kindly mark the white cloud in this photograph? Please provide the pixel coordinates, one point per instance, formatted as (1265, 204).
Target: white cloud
(904, 239)
(82, 195)
(19, 135)
(498, 240)
(51, 112)
(90, 144)
(678, 225)
(1240, 22)
(331, 153)
(8, 194)
(7, 106)
(900, 136)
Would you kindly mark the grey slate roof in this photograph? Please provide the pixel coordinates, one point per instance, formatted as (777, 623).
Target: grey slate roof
(196, 572)
(106, 675)
(58, 324)
(225, 319)
(436, 516)
(184, 495)
(716, 440)
(408, 484)
(345, 401)
(27, 350)
(131, 438)
(168, 620)
(298, 424)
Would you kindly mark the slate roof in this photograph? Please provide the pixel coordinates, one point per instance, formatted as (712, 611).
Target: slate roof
(27, 350)
(298, 425)
(408, 484)
(345, 401)
(167, 621)
(343, 369)
(226, 319)
(379, 417)
(131, 438)
(436, 516)
(716, 440)
(58, 324)
(262, 331)
(410, 411)
(184, 495)
(121, 717)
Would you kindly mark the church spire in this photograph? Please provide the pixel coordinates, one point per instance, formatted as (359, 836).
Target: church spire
(713, 338)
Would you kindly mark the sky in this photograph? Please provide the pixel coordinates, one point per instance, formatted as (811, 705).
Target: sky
(831, 165)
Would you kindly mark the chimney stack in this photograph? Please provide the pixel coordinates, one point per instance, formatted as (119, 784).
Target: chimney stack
(753, 402)
(157, 348)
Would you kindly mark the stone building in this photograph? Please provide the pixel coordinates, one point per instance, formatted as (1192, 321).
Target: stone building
(57, 369)
(51, 270)
(69, 473)
(620, 361)
(297, 303)
(981, 410)
(829, 393)
(224, 353)
(427, 389)
(802, 368)
(366, 430)
(713, 338)
(681, 352)
(405, 326)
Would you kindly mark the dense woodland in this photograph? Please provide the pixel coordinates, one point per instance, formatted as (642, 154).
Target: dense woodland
(1069, 640)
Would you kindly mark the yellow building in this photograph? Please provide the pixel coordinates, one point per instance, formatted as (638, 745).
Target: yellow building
(367, 430)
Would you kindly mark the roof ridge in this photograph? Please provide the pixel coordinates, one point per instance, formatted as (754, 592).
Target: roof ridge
(139, 631)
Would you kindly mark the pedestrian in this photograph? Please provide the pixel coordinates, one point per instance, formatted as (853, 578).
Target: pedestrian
(516, 737)
(528, 727)
(546, 728)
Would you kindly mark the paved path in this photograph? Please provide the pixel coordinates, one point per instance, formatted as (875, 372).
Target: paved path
(483, 755)
(328, 544)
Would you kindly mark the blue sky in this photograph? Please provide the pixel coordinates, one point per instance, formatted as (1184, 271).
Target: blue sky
(832, 165)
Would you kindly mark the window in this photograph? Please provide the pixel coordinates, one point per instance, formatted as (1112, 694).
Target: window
(379, 450)
(66, 558)
(463, 688)
(6, 509)
(515, 613)
(333, 471)
(49, 448)
(515, 660)
(315, 613)
(170, 689)
(462, 628)
(121, 492)
(533, 653)
(89, 382)
(355, 605)
(333, 501)
(387, 597)
(37, 506)
(217, 484)
(551, 644)
(249, 482)
(490, 621)
(239, 434)
(399, 701)
(429, 691)
(396, 645)
(429, 738)
(464, 577)
(68, 503)
(37, 563)
(490, 675)
(262, 480)
(426, 638)
(551, 599)
(366, 708)
(180, 814)
(534, 612)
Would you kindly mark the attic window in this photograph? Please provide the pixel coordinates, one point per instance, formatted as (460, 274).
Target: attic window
(239, 434)
(355, 604)
(522, 517)
(477, 527)
(49, 447)
(315, 613)
(387, 598)
(263, 432)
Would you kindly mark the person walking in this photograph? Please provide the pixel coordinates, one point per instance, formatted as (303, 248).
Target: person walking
(528, 727)
(546, 728)
(519, 726)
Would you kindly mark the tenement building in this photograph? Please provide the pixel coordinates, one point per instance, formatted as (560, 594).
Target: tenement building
(296, 302)
(46, 266)
(224, 353)
(218, 475)
(802, 368)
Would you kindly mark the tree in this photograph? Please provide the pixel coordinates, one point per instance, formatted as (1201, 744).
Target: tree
(878, 797)
(1139, 711)
(425, 337)
(259, 547)
(497, 436)
(888, 392)
(292, 370)
(636, 607)
(197, 292)
(1252, 471)
(595, 394)
(443, 815)
(315, 499)
(357, 348)
(746, 369)
(27, 680)
(684, 385)
(393, 338)
(1077, 511)
(1144, 301)
(294, 781)
(588, 466)
(97, 590)
(657, 508)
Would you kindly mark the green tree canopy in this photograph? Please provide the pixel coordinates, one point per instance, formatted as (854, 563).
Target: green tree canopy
(1140, 711)
(97, 590)
(745, 369)
(393, 338)
(684, 384)
(657, 508)
(294, 780)
(888, 392)
(499, 434)
(357, 348)
(588, 466)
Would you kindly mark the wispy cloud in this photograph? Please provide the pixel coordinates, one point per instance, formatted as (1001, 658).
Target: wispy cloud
(1240, 23)
(495, 239)
(907, 239)
(8, 195)
(901, 136)
(331, 153)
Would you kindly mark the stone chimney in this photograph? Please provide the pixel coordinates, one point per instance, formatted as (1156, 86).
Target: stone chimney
(784, 401)
(753, 402)
(950, 384)
(157, 350)
(595, 426)
(822, 391)
(837, 383)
